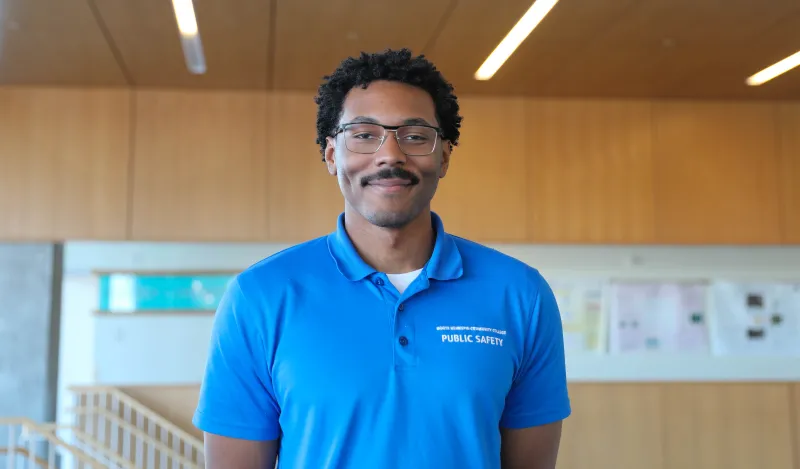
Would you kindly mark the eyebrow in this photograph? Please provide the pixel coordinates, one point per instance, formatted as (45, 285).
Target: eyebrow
(372, 120)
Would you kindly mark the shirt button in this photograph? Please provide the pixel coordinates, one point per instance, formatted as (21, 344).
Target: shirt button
(379, 282)
(401, 307)
(403, 341)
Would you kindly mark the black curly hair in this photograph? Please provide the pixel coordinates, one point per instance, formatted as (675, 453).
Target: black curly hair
(393, 65)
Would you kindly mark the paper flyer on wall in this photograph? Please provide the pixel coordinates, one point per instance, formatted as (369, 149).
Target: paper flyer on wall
(583, 313)
(658, 316)
(756, 318)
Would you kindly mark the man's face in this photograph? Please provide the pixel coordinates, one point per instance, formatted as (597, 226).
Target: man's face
(388, 187)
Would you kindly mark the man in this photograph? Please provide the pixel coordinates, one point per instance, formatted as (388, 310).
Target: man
(389, 343)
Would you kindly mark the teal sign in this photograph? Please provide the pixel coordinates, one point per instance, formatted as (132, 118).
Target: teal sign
(126, 293)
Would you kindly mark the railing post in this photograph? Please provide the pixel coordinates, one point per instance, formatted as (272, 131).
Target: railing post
(90, 406)
(102, 421)
(139, 442)
(51, 456)
(126, 443)
(31, 452)
(151, 451)
(114, 426)
(11, 457)
(162, 435)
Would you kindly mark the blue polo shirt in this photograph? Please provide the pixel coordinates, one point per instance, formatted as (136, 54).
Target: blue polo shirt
(315, 347)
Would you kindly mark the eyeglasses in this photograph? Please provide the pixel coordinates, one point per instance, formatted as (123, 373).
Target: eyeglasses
(413, 140)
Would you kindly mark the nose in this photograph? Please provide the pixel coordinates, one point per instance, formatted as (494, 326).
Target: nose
(390, 153)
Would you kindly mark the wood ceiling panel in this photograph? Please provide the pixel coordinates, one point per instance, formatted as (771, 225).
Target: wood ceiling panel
(476, 27)
(473, 29)
(723, 74)
(583, 48)
(54, 42)
(659, 44)
(235, 36)
(313, 36)
(626, 48)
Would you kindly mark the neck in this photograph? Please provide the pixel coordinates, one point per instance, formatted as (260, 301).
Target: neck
(391, 250)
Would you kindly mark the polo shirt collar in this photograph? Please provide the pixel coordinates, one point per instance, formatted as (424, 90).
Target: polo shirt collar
(444, 264)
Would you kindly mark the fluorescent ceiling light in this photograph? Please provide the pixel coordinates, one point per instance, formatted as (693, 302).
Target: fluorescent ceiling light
(514, 38)
(774, 70)
(190, 36)
(184, 14)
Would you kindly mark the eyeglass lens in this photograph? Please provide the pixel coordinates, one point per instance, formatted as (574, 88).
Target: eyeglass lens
(414, 140)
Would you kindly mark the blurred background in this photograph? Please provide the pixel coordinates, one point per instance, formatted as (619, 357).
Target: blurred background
(643, 154)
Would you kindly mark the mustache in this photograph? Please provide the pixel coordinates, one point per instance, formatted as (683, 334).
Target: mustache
(391, 173)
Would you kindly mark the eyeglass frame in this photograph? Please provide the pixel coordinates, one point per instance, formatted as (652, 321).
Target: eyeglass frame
(391, 128)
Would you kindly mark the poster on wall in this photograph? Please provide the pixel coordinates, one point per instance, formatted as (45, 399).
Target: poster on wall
(652, 316)
(756, 319)
(583, 314)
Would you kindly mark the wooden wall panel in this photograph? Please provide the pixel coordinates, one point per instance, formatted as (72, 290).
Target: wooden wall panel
(484, 194)
(230, 166)
(200, 166)
(304, 199)
(64, 157)
(590, 172)
(789, 121)
(716, 173)
(633, 425)
(615, 426)
(728, 426)
(175, 403)
(796, 423)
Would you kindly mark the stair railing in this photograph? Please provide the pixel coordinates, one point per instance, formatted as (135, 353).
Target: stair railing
(130, 429)
(30, 445)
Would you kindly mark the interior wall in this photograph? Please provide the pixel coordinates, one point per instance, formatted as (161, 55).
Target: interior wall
(596, 171)
(171, 349)
(159, 360)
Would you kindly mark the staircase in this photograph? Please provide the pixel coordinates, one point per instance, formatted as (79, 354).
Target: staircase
(110, 430)
(31, 445)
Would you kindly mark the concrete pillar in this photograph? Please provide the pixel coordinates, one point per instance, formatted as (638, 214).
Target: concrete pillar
(30, 296)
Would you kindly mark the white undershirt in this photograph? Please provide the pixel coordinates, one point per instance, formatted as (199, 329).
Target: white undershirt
(402, 281)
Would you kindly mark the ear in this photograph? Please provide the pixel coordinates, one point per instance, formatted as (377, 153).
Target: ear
(330, 155)
(446, 152)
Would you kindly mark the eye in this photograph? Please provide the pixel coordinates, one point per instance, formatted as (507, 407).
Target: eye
(416, 137)
(363, 135)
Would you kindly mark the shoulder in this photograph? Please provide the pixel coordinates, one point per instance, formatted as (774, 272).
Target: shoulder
(287, 264)
(491, 264)
(496, 273)
(255, 295)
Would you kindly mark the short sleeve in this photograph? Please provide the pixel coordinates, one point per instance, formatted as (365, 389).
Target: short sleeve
(539, 394)
(236, 395)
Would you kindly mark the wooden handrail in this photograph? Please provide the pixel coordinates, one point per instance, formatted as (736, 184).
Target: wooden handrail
(25, 453)
(51, 437)
(143, 410)
(120, 422)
